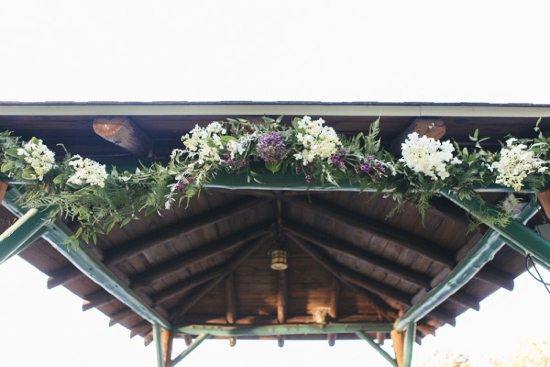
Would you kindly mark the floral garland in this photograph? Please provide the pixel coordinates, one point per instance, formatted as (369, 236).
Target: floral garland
(82, 189)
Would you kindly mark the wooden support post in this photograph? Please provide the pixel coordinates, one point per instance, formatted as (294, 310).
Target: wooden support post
(398, 339)
(167, 341)
(189, 349)
(282, 300)
(431, 127)
(126, 134)
(544, 200)
(333, 309)
(3, 189)
(377, 348)
(231, 304)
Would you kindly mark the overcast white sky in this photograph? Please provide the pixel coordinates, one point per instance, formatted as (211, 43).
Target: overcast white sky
(387, 51)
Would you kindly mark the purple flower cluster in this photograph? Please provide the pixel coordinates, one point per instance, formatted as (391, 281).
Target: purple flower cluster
(231, 163)
(337, 159)
(271, 148)
(372, 167)
(181, 185)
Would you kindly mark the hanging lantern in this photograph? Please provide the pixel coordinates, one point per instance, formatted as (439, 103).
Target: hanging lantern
(279, 260)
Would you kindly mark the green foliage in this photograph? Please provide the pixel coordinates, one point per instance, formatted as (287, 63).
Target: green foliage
(531, 353)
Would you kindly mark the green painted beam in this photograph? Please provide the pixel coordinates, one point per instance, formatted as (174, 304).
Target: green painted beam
(38, 234)
(284, 329)
(376, 347)
(190, 348)
(410, 335)
(479, 255)
(514, 233)
(20, 232)
(94, 269)
(157, 337)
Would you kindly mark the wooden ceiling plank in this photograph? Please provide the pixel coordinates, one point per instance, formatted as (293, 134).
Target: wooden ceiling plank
(492, 275)
(123, 132)
(464, 299)
(336, 271)
(140, 328)
(184, 305)
(175, 265)
(348, 249)
(138, 245)
(379, 229)
(120, 316)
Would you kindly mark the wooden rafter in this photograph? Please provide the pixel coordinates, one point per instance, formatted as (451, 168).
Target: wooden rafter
(96, 299)
(187, 302)
(431, 127)
(177, 264)
(123, 132)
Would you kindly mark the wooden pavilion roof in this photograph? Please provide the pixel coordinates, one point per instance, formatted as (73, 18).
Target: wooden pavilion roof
(208, 263)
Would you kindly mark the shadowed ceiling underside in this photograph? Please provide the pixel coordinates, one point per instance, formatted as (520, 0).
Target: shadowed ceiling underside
(208, 263)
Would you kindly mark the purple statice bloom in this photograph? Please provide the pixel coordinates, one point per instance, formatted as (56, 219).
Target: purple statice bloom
(180, 187)
(242, 164)
(271, 148)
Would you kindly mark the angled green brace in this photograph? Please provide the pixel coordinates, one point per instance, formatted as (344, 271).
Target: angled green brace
(17, 237)
(58, 233)
(479, 255)
(190, 348)
(514, 233)
(376, 347)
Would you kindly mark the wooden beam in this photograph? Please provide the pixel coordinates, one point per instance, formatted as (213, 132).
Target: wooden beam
(3, 189)
(185, 304)
(123, 132)
(331, 243)
(282, 302)
(64, 276)
(333, 308)
(376, 302)
(140, 328)
(204, 252)
(424, 126)
(120, 316)
(544, 201)
(96, 299)
(379, 229)
(136, 246)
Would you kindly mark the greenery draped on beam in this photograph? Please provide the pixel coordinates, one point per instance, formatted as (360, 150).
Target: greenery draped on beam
(307, 151)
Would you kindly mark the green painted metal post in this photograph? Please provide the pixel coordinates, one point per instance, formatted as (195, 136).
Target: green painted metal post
(284, 329)
(515, 232)
(190, 348)
(479, 255)
(376, 347)
(410, 335)
(13, 238)
(38, 234)
(158, 344)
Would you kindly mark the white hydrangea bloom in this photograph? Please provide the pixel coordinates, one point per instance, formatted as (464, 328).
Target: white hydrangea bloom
(40, 158)
(318, 141)
(87, 171)
(516, 162)
(428, 156)
(196, 142)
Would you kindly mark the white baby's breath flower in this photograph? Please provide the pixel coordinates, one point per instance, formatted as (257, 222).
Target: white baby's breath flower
(318, 141)
(38, 156)
(428, 156)
(87, 171)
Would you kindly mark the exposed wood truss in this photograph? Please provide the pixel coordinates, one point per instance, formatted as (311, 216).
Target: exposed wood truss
(125, 133)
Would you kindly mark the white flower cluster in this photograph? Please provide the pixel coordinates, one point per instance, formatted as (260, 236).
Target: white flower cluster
(87, 171)
(318, 141)
(428, 156)
(516, 162)
(41, 159)
(197, 141)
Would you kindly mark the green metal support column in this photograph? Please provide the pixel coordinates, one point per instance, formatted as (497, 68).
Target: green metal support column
(410, 335)
(514, 233)
(376, 347)
(13, 238)
(58, 233)
(478, 256)
(158, 345)
(190, 348)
